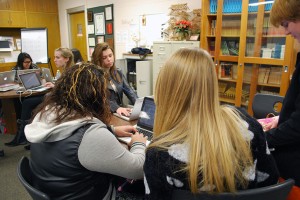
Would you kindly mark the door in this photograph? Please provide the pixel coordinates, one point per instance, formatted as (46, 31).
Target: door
(78, 33)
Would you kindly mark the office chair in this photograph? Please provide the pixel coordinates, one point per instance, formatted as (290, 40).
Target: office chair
(24, 175)
(278, 191)
(263, 104)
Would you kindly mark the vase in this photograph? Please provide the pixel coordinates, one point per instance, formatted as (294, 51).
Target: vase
(182, 36)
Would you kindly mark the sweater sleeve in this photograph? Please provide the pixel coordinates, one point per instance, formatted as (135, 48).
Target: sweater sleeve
(100, 151)
(287, 133)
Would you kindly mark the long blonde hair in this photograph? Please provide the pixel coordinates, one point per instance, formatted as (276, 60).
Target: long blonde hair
(188, 111)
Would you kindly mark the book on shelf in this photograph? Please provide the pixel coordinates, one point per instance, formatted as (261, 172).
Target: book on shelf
(230, 92)
(247, 74)
(226, 71)
(275, 75)
(230, 47)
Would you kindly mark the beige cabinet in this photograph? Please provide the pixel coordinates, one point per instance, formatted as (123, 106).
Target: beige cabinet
(251, 55)
(162, 50)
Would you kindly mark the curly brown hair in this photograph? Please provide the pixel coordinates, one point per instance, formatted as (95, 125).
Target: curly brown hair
(80, 92)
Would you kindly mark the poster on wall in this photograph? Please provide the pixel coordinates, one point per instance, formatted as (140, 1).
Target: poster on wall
(99, 24)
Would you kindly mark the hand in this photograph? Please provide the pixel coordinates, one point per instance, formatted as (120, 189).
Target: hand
(124, 131)
(137, 137)
(272, 124)
(49, 84)
(124, 111)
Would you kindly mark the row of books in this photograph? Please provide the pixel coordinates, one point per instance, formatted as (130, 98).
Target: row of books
(269, 75)
(231, 27)
(228, 91)
(235, 6)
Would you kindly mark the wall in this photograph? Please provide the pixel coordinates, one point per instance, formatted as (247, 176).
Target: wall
(126, 16)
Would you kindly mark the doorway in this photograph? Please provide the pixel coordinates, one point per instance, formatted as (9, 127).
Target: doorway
(78, 33)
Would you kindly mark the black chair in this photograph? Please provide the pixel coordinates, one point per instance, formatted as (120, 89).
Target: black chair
(24, 175)
(263, 104)
(278, 191)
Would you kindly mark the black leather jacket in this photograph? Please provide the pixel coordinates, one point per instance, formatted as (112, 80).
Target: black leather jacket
(116, 99)
(58, 172)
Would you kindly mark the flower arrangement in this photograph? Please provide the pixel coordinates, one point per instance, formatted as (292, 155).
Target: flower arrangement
(182, 26)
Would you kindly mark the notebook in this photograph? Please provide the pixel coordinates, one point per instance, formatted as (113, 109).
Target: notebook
(145, 121)
(47, 74)
(135, 111)
(32, 81)
(7, 81)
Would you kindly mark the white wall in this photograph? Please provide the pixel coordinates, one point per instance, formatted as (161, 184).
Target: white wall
(126, 16)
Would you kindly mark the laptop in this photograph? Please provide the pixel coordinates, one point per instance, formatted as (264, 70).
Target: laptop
(25, 71)
(31, 81)
(47, 74)
(145, 121)
(135, 111)
(7, 81)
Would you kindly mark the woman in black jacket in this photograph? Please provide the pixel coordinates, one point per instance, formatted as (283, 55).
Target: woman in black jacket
(103, 56)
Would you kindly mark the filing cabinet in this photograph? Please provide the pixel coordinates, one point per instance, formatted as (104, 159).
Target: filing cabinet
(162, 50)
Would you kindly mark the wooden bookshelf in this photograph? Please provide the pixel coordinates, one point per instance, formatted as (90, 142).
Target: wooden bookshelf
(264, 57)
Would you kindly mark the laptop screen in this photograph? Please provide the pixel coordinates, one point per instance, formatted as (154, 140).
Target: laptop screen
(7, 77)
(146, 119)
(30, 80)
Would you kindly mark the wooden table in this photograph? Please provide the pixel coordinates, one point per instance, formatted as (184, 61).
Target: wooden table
(8, 108)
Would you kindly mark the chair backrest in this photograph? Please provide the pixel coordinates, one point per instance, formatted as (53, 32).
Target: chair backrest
(278, 191)
(263, 104)
(24, 175)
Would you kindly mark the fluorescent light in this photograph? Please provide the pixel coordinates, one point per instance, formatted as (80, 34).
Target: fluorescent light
(260, 3)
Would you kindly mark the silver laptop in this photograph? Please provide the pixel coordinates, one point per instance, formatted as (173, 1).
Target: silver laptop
(32, 81)
(7, 81)
(47, 74)
(145, 121)
(135, 111)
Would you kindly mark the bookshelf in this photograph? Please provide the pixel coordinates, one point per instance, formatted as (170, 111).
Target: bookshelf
(251, 56)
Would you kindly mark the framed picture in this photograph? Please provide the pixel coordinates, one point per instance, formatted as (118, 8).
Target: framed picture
(99, 23)
(90, 16)
(109, 28)
(108, 13)
(194, 37)
(100, 39)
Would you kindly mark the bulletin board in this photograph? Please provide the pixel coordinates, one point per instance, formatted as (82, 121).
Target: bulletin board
(100, 26)
(34, 41)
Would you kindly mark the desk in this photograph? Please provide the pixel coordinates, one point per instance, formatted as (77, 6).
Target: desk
(8, 108)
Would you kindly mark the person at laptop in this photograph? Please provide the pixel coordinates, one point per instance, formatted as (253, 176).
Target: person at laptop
(24, 62)
(103, 56)
(73, 153)
(198, 144)
(63, 58)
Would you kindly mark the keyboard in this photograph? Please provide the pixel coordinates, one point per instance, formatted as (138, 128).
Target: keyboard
(146, 133)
